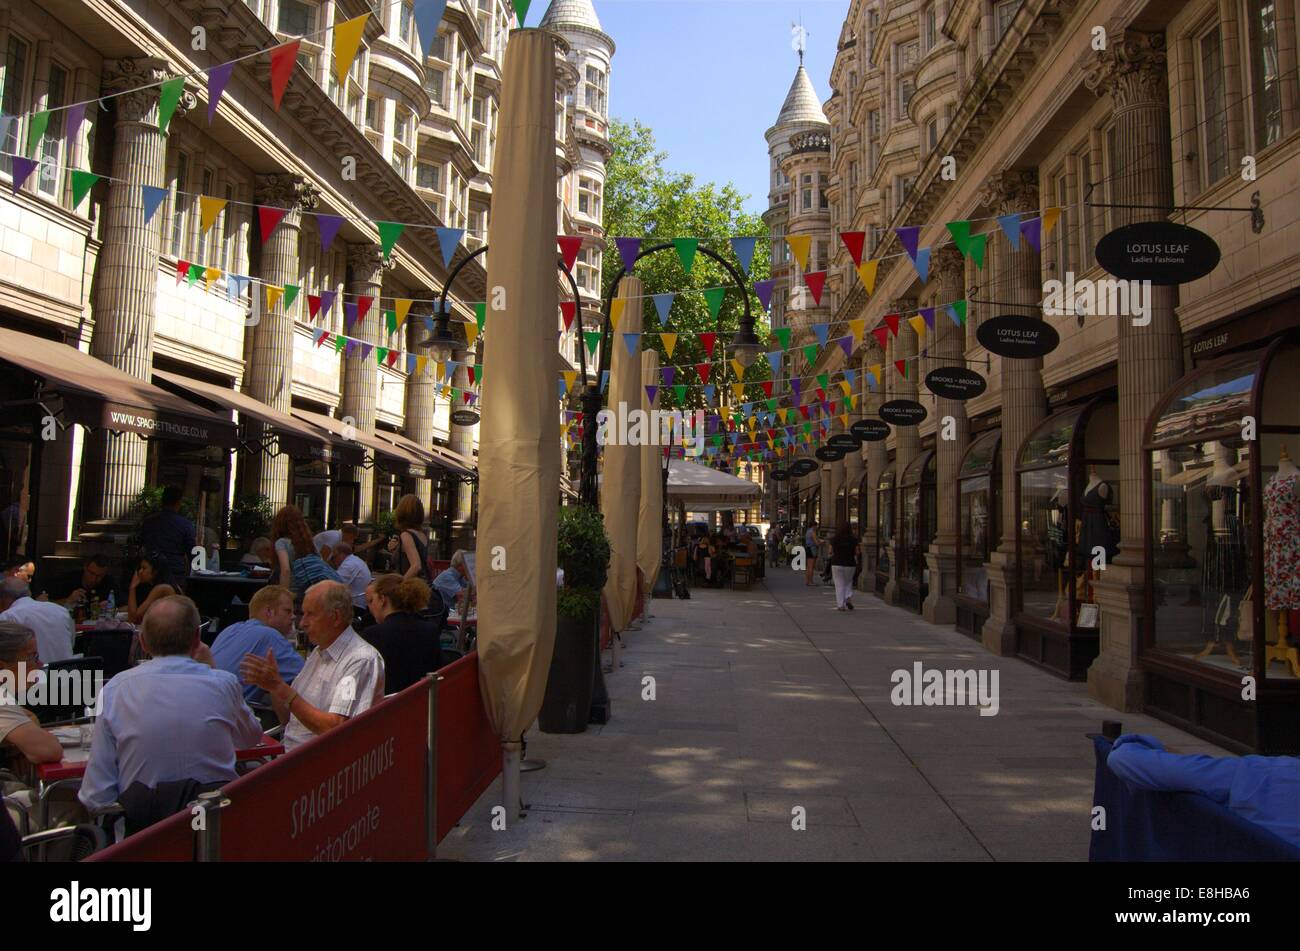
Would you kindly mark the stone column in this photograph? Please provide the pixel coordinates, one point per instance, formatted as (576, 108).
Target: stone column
(360, 373)
(1133, 72)
(421, 403)
(462, 441)
(875, 458)
(269, 375)
(907, 439)
(947, 348)
(1017, 278)
(126, 280)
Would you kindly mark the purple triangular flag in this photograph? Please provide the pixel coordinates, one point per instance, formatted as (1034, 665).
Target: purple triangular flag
(908, 238)
(764, 291)
(847, 344)
(366, 350)
(928, 314)
(349, 313)
(23, 168)
(628, 249)
(1032, 229)
(921, 261)
(218, 76)
(72, 122)
(796, 386)
(351, 347)
(327, 301)
(650, 391)
(329, 226)
(1010, 225)
(668, 374)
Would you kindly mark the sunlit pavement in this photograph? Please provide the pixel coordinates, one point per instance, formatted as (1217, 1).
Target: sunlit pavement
(769, 701)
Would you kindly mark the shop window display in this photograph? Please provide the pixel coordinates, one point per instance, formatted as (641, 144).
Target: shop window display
(978, 481)
(918, 522)
(885, 524)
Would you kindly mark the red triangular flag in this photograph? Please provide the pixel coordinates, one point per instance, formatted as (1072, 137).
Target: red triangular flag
(569, 309)
(821, 395)
(282, 59)
(269, 218)
(392, 357)
(570, 245)
(853, 240)
(892, 320)
(902, 368)
(313, 305)
(767, 387)
(321, 339)
(815, 280)
(363, 305)
(182, 270)
(803, 408)
(882, 336)
(708, 340)
(703, 370)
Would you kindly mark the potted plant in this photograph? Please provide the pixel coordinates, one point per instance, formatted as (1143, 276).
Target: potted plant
(250, 517)
(584, 558)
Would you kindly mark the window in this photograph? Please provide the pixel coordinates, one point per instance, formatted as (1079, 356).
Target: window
(1082, 168)
(229, 230)
(438, 48)
(1005, 13)
(1266, 99)
(296, 18)
(476, 146)
(204, 249)
(180, 204)
(370, 114)
(589, 191)
(595, 91)
(477, 111)
(401, 163)
(823, 255)
(906, 86)
(429, 176)
(1213, 117)
(51, 175)
(404, 22)
(823, 204)
(932, 134)
(1063, 262)
(14, 99)
(435, 82)
(930, 27)
(807, 200)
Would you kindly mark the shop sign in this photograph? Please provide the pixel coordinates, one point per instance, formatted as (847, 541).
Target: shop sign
(829, 454)
(871, 430)
(846, 441)
(1018, 337)
(464, 417)
(955, 383)
(779, 475)
(803, 467)
(1162, 252)
(902, 412)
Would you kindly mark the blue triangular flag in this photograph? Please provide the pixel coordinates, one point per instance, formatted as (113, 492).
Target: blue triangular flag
(664, 304)
(1010, 225)
(562, 387)
(604, 380)
(153, 197)
(235, 284)
(823, 332)
(774, 360)
(631, 341)
(449, 241)
(922, 264)
(411, 361)
(708, 392)
(743, 249)
(449, 368)
(851, 376)
(428, 14)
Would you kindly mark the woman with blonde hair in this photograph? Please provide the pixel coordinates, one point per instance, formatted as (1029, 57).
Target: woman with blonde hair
(408, 644)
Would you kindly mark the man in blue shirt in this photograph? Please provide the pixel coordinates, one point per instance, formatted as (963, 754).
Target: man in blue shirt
(171, 719)
(169, 534)
(452, 581)
(269, 627)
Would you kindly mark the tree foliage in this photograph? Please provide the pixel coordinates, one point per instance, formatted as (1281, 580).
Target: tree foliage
(644, 199)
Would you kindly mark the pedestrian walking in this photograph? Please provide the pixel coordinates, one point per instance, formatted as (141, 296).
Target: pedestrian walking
(810, 553)
(844, 559)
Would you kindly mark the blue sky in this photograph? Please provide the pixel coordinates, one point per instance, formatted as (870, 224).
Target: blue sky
(709, 76)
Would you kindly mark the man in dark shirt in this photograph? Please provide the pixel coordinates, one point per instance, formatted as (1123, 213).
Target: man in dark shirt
(170, 534)
(94, 582)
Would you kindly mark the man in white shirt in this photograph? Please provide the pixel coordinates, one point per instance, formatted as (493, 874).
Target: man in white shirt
(51, 621)
(354, 572)
(344, 676)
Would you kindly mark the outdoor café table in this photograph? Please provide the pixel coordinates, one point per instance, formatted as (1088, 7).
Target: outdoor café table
(70, 770)
(213, 592)
(466, 627)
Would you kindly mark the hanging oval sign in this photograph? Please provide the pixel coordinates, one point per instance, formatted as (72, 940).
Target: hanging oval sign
(803, 467)
(779, 475)
(870, 430)
(829, 454)
(464, 417)
(846, 441)
(1017, 336)
(955, 383)
(902, 412)
(1162, 252)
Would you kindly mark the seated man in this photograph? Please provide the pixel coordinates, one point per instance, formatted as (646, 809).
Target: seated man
(452, 582)
(346, 534)
(261, 553)
(172, 719)
(51, 622)
(20, 733)
(269, 627)
(354, 572)
(93, 582)
(343, 676)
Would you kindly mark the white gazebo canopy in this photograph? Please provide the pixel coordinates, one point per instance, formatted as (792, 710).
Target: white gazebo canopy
(701, 489)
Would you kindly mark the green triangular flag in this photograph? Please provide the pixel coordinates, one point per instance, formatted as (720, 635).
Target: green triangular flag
(389, 232)
(959, 308)
(717, 440)
(290, 295)
(783, 334)
(37, 129)
(975, 249)
(807, 427)
(810, 353)
(340, 342)
(679, 391)
(714, 296)
(195, 272)
(478, 374)
(960, 231)
(480, 314)
(82, 183)
(380, 353)
(771, 405)
(824, 380)
(686, 248)
(390, 318)
(593, 340)
(168, 96)
(521, 10)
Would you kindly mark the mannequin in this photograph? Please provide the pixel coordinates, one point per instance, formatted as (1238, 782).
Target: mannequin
(1093, 528)
(1281, 572)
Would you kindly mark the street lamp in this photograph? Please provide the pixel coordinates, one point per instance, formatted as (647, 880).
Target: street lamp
(442, 343)
(744, 345)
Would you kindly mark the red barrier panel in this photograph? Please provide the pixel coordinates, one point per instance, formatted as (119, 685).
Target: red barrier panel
(469, 752)
(357, 793)
(171, 840)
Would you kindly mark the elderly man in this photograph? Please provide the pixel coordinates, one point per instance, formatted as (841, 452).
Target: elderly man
(346, 534)
(452, 582)
(174, 718)
(51, 622)
(19, 731)
(353, 571)
(343, 676)
(269, 627)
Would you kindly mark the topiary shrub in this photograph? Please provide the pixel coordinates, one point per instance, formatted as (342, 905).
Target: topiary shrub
(250, 518)
(584, 556)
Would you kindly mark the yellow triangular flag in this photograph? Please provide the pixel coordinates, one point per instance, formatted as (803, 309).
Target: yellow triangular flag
(799, 247)
(403, 308)
(438, 369)
(209, 208)
(918, 324)
(781, 413)
(570, 376)
(844, 385)
(210, 275)
(739, 368)
(670, 343)
(1049, 220)
(273, 295)
(471, 333)
(738, 390)
(347, 40)
(874, 370)
(421, 364)
(857, 327)
(867, 271)
(615, 312)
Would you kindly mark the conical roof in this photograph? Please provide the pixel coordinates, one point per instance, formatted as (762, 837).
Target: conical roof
(801, 102)
(563, 13)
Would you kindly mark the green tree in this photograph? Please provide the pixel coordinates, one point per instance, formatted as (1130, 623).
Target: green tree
(643, 199)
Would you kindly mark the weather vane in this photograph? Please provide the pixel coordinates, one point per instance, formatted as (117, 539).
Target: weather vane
(798, 38)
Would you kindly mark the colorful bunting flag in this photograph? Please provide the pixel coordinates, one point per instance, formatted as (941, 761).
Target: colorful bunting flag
(664, 305)
(480, 314)
(290, 295)
(854, 241)
(389, 232)
(928, 314)
(347, 40)
(743, 249)
(703, 370)
(631, 341)
(713, 296)
(670, 343)
(774, 360)
(800, 245)
(209, 208)
(283, 58)
(815, 280)
(867, 274)
(822, 332)
(76, 114)
(616, 311)
(218, 76)
(1031, 228)
(328, 226)
(568, 309)
(891, 321)
(918, 325)
(82, 183)
(922, 264)
(908, 238)
(739, 369)
(783, 335)
(1050, 217)
(268, 219)
(592, 337)
(960, 231)
(707, 340)
(976, 246)
(1010, 225)
(810, 354)
(22, 170)
(628, 251)
(686, 248)
(764, 291)
(857, 327)
(273, 295)
(882, 336)
(169, 96)
(668, 374)
(957, 311)
(570, 245)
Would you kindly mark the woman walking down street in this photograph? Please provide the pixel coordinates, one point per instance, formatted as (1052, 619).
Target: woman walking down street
(844, 558)
(810, 554)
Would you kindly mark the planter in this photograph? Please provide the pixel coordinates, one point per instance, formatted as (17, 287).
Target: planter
(567, 703)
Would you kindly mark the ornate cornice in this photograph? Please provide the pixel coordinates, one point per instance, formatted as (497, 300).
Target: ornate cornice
(286, 190)
(121, 78)
(1132, 69)
(948, 266)
(1011, 190)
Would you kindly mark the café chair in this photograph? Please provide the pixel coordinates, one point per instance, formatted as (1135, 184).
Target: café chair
(112, 647)
(51, 714)
(742, 571)
(65, 844)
